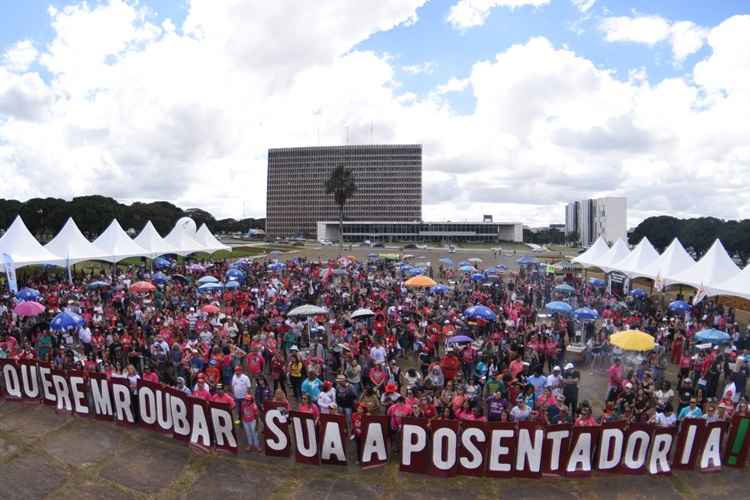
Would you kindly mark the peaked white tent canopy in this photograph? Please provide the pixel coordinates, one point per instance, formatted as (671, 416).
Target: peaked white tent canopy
(72, 246)
(24, 249)
(117, 245)
(736, 286)
(154, 244)
(181, 238)
(673, 260)
(641, 257)
(594, 252)
(713, 268)
(615, 254)
(208, 240)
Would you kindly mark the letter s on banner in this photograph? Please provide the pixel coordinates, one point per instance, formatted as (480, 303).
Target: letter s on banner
(472, 454)
(276, 431)
(414, 445)
(444, 447)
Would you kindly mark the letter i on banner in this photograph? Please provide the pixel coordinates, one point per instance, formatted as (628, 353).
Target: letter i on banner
(688, 446)
(738, 443)
(414, 445)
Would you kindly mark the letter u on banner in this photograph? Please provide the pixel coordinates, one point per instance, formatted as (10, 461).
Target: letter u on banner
(444, 446)
(306, 449)
(30, 386)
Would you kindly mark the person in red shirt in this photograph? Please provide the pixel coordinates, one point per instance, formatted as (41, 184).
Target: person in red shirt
(250, 422)
(450, 365)
(358, 425)
(223, 397)
(150, 375)
(586, 419)
(201, 389)
(255, 362)
(213, 374)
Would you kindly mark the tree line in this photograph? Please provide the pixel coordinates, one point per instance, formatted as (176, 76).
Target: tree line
(46, 216)
(698, 234)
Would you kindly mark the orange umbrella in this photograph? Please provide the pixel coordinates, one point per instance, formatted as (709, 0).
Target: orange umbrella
(142, 287)
(420, 281)
(210, 309)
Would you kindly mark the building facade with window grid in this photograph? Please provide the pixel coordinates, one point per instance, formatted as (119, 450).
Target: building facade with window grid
(435, 232)
(388, 179)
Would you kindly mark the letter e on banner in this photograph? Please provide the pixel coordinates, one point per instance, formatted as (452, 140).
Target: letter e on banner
(414, 445)
(472, 452)
(276, 431)
(305, 438)
(738, 443)
(48, 389)
(501, 455)
(78, 393)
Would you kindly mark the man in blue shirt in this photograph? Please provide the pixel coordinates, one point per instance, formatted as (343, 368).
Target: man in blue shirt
(690, 411)
(311, 386)
(539, 381)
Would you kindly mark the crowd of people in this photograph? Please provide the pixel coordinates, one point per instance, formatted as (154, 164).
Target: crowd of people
(415, 353)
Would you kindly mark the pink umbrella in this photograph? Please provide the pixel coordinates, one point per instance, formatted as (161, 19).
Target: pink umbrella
(29, 309)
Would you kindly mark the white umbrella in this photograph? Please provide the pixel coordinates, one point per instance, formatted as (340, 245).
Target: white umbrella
(362, 313)
(307, 310)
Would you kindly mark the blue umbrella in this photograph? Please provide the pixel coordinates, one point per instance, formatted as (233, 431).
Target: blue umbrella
(679, 306)
(480, 312)
(464, 263)
(277, 266)
(65, 320)
(416, 271)
(565, 288)
(439, 288)
(586, 314)
(235, 274)
(404, 268)
(501, 267)
(162, 263)
(597, 282)
(159, 278)
(712, 335)
(210, 287)
(28, 294)
(231, 285)
(446, 260)
(207, 279)
(477, 276)
(558, 307)
(490, 271)
(460, 339)
(467, 269)
(95, 285)
(527, 260)
(638, 293)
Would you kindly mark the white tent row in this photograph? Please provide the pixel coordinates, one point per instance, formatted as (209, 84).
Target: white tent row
(594, 252)
(70, 246)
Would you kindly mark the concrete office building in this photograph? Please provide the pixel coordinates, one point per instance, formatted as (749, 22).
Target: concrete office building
(589, 219)
(388, 178)
(434, 232)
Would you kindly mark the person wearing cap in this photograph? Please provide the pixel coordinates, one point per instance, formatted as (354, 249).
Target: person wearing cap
(182, 387)
(345, 397)
(326, 397)
(222, 397)
(554, 380)
(296, 369)
(249, 416)
(213, 374)
(202, 389)
(571, 378)
(390, 395)
(240, 387)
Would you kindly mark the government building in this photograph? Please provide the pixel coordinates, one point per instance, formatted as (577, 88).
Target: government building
(388, 179)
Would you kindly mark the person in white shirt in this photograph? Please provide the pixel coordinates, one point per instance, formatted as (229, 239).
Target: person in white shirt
(84, 335)
(665, 418)
(240, 387)
(378, 354)
(554, 381)
(327, 397)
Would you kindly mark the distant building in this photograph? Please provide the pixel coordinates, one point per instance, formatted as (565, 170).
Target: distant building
(388, 179)
(557, 227)
(436, 232)
(589, 219)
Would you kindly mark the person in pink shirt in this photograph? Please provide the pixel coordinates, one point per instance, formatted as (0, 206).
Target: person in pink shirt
(306, 406)
(150, 375)
(255, 362)
(397, 412)
(201, 389)
(250, 422)
(615, 376)
(223, 397)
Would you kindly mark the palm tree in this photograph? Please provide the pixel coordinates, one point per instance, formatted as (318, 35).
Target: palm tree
(341, 185)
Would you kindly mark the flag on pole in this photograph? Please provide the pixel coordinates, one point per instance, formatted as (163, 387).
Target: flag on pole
(10, 272)
(67, 266)
(659, 283)
(700, 295)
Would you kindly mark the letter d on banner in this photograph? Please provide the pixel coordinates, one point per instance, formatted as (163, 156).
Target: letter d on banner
(10, 272)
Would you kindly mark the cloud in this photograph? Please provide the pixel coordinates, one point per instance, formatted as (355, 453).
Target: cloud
(685, 37)
(583, 5)
(187, 113)
(471, 13)
(20, 56)
(427, 68)
(453, 85)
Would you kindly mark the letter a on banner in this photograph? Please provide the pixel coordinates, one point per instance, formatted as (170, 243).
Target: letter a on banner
(374, 450)
(711, 449)
(583, 442)
(332, 450)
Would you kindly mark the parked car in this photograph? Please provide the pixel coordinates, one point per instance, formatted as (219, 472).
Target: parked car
(326, 243)
(409, 246)
(422, 247)
(452, 249)
(378, 244)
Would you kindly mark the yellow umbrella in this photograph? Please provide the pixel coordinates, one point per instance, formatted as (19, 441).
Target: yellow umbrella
(632, 340)
(420, 282)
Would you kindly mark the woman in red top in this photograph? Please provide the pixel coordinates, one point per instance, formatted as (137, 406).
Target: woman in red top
(306, 406)
(250, 422)
(358, 425)
(586, 419)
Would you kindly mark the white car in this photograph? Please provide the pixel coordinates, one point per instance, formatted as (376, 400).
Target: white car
(451, 249)
(326, 243)
(422, 247)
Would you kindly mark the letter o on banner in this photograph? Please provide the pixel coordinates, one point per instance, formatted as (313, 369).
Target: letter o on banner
(444, 448)
(637, 444)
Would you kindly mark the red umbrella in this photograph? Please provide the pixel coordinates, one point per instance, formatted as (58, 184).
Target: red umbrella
(142, 287)
(30, 308)
(210, 309)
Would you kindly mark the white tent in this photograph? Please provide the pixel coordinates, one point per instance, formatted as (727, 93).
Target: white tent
(181, 239)
(594, 252)
(24, 249)
(208, 240)
(713, 268)
(642, 255)
(72, 246)
(673, 260)
(154, 244)
(736, 286)
(615, 254)
(117, 245)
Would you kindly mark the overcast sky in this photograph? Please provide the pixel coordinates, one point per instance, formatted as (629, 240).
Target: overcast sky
(521, 105)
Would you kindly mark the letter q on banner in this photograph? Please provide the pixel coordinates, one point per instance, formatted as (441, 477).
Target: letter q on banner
(414, 445)
(444, 446)
(11, 379)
